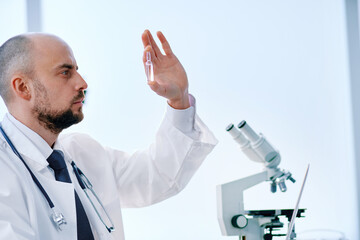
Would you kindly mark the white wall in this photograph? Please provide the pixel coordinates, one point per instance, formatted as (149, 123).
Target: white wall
(12, 22)
(281, 65)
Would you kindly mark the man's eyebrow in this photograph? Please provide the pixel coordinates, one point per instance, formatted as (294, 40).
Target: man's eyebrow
(68, 66)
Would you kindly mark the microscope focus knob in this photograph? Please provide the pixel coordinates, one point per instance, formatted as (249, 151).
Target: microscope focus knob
(239, 221)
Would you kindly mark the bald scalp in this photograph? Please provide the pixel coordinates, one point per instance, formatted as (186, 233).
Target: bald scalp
(15, 57)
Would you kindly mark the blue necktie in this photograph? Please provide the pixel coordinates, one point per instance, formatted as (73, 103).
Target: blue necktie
(57, 163)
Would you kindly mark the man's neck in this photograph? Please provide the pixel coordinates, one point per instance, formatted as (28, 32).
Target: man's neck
(34, 124)
(46, 134)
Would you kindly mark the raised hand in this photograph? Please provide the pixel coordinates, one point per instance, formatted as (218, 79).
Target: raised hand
(170, 80)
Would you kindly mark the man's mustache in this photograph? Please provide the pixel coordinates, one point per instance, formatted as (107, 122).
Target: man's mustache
(80, 96)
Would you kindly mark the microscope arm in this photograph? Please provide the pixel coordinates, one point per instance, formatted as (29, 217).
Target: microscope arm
(230, 201)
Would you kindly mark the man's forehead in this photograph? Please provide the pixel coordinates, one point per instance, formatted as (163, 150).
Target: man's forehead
(51, 50)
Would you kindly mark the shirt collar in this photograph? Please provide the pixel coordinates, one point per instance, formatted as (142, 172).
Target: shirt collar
(27, 142)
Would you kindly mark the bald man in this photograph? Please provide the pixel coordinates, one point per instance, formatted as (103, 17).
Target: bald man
(41, 186)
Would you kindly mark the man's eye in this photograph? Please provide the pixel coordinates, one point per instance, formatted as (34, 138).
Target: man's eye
(65, 72)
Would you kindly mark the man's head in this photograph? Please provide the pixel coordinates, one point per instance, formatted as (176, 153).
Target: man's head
(39, 79)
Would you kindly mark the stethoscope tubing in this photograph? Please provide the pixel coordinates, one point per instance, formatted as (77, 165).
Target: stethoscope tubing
(38, 184)
(78, 173)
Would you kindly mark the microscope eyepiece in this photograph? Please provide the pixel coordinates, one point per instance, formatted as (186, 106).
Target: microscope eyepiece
(248, 131)
(229, 127)
(241, 124)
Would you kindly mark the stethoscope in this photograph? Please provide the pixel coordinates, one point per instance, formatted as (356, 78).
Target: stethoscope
(57, 217)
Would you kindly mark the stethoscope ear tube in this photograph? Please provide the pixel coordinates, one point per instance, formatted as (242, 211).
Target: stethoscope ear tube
(77, 174)
(86, 185)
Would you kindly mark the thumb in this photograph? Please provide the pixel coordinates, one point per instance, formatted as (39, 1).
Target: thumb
(156, 87)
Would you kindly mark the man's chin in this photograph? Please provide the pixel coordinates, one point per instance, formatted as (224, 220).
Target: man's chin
(60, 121)
(79, 116)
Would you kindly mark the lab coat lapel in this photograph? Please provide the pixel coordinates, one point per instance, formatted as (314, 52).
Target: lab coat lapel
(62, 195)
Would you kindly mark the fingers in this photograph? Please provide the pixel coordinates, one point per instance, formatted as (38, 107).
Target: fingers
(148, 39)
(165, 44)
(145, 39)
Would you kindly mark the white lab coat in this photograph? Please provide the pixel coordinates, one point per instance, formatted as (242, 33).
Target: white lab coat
(119, 179)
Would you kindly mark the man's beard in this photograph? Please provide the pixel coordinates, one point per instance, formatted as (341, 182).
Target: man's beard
(55, 120)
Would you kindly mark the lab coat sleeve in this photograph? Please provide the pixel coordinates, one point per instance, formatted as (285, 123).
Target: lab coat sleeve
(14, 206)
(161, 171)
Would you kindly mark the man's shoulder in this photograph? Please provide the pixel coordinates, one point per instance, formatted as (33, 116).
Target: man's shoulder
(79, 141)
(74, 137)
(85, 151)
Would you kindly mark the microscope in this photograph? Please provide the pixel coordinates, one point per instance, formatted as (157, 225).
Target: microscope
(234, 220)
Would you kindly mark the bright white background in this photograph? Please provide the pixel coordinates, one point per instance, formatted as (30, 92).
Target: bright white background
(281, 65)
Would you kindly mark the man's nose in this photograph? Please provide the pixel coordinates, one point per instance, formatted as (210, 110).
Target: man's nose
(81, 83)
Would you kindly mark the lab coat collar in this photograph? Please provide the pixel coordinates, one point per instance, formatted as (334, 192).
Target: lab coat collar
(27, 142)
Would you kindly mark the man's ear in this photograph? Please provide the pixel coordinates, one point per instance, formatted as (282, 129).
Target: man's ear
(21, 87)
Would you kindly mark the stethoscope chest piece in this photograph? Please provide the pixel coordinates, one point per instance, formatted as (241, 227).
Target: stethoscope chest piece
(59, 220)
